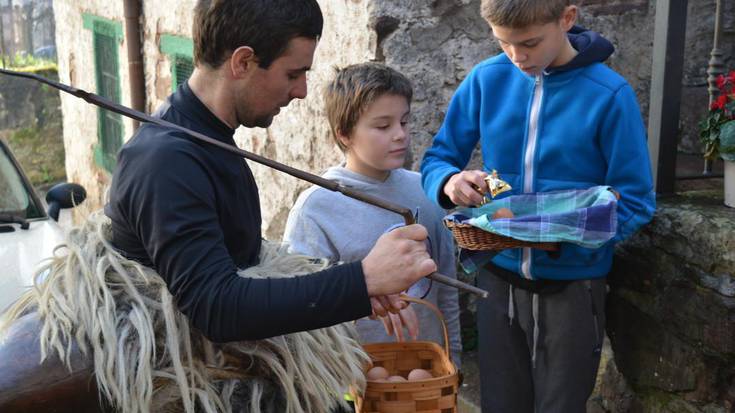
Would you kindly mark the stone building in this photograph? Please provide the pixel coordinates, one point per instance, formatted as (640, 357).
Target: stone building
(435, 42)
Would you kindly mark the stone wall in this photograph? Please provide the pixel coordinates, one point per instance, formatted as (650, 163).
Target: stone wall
(671, 311)
(30, 123)
(435, 42)
(160, 20)
(25, 103)
(629, 24)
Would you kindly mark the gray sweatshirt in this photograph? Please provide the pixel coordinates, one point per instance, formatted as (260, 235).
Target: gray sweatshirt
(328, 224)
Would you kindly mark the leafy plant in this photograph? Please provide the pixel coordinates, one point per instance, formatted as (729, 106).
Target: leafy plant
(717, 130)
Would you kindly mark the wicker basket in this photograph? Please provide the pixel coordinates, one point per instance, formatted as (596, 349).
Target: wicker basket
(435, 395)
(476, 239)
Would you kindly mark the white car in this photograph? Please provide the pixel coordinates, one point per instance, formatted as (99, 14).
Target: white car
(28, 232)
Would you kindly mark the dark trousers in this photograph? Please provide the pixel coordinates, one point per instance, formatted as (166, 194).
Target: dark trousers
(570, 330)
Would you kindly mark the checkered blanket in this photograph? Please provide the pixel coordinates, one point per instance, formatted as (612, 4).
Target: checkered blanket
(584, 217)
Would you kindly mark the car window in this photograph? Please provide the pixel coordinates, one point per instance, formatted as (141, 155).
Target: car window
(15, 198)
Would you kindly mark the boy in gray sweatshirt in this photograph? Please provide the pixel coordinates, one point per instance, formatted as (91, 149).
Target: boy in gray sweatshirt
(368, 106)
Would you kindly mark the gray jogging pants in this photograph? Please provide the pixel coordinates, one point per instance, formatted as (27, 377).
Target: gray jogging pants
(539, 354)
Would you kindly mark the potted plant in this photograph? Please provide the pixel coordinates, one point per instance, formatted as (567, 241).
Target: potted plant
(717, 132)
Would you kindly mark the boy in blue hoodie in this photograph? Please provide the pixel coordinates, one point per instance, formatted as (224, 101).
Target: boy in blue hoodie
(549, 116)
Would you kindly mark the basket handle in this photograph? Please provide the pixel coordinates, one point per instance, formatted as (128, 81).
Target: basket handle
(436, 311)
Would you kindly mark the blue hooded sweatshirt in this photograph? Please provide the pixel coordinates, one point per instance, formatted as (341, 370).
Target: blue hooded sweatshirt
(572, 127)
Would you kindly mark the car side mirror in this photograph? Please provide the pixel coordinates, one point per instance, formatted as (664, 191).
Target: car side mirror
(62, 196)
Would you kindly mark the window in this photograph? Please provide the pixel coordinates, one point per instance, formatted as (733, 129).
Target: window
(181, 70)
(106, 37)
(180, 52)
(16, 194)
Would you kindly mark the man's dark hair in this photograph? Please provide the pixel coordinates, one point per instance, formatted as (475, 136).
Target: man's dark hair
(221, 26)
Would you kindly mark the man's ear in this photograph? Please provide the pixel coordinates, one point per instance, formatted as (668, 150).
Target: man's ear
(569, 17)
(242, 61)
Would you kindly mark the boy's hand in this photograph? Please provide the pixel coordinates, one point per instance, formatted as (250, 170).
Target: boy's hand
(397, 261)
(386, 304)
(616, 193)
(394, 323)
(466, 188)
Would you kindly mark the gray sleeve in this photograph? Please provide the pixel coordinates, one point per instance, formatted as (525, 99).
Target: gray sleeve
(305, 233)
(447, 297)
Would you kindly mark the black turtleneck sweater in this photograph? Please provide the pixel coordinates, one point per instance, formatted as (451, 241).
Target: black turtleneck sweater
(191, 211)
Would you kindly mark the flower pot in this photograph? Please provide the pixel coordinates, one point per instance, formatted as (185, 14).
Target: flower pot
(730, 183)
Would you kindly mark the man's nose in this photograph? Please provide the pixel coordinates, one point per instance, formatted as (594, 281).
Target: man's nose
(300, 90)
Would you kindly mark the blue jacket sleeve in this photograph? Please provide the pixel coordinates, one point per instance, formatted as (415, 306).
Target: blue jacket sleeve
(455, 141)
(623, 142)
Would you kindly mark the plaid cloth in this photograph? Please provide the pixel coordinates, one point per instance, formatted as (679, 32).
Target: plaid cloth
(583, 217)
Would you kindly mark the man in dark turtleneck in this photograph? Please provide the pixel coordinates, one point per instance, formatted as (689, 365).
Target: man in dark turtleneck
(191, 211)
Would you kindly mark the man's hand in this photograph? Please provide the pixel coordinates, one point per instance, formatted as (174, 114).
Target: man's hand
(466, 188)
(397, 261)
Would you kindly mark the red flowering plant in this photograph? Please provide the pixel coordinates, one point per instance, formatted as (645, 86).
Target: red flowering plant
(717, 130)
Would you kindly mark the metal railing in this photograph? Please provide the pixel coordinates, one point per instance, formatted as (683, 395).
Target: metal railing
(716, 68)
(666, 89)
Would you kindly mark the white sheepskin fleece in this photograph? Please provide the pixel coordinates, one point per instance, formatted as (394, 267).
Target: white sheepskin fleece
(148, 358)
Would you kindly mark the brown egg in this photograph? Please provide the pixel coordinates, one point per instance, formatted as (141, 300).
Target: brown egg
(503, 213)
(396, 378)
(419, 374)
(377, 373)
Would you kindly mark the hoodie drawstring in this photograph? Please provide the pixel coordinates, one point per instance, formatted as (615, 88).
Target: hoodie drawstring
(511, 316)
(535, 328)
(511, 310)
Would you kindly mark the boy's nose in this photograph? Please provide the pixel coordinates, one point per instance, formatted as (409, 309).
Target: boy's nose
(400, 134)
(518, 56)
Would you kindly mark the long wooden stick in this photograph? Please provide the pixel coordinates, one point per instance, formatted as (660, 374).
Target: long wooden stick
(105, 103)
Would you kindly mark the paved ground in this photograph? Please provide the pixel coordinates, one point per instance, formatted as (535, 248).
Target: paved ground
(469, 392)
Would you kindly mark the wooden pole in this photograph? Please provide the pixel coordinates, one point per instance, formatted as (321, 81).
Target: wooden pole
(306, 176)
(667, 73)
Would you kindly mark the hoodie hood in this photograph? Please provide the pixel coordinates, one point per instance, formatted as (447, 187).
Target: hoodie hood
(591, 48)
(355, 180)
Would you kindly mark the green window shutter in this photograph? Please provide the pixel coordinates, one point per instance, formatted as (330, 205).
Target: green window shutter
(181, 69)
(106, 36)
(180, 51)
